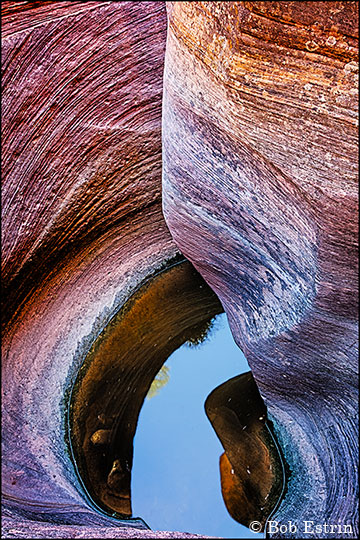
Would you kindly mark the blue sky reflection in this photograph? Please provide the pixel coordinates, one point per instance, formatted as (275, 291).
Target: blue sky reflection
(175, 474)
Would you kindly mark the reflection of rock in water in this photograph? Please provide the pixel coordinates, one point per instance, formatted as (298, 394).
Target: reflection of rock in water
(119, 370)
(117, 480)
(101, 436)
(251, 470)
(174, 307)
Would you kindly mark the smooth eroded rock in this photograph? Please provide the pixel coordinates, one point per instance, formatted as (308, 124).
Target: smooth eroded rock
(259, 192)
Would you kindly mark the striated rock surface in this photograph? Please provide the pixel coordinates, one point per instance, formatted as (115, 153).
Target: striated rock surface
(259, 192)
(259, 154)
(82, 89)
(81, 228)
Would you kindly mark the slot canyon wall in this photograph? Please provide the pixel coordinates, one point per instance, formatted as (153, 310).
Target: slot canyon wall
(259, 192)
(82, 228)
(258, 114)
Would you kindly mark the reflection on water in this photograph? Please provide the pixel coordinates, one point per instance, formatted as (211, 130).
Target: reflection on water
(118, 372)
(174, 307)
(176, 477)
(251, 469)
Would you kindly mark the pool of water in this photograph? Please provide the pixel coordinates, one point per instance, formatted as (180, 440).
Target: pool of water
(141, 441)
(175, 473)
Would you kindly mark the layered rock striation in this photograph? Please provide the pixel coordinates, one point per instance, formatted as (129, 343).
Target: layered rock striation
(82, 89)
(259, 164)
(82, 228)
(259, 192)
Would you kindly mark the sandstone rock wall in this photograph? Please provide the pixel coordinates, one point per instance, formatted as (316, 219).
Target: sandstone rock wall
(81, 224)
(259, 192)
(82, 90)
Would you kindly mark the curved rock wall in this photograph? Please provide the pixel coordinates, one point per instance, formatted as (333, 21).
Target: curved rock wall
(82, 227)
(259, 151)
(82, 89)
(259, 192)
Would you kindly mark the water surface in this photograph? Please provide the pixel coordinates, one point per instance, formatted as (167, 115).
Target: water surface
(158, 458)
(175, 475)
